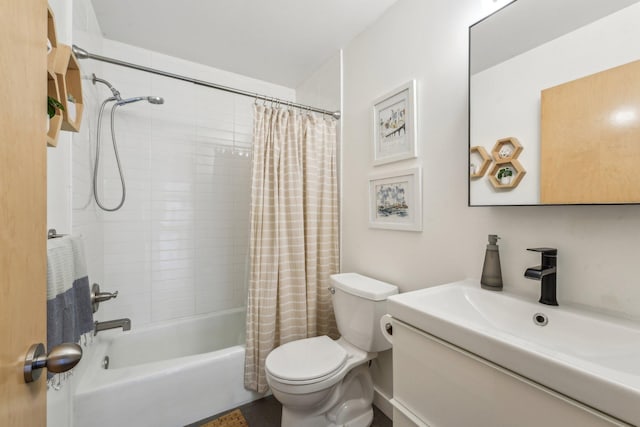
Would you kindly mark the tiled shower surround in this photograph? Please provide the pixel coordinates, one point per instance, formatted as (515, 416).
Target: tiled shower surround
(179, 245)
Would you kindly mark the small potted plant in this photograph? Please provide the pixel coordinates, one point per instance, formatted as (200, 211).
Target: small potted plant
(505, 175)
(52, 105)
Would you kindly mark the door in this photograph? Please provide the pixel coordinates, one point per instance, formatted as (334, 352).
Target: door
(23, 68)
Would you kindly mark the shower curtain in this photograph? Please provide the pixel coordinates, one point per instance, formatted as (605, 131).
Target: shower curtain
(294, 233)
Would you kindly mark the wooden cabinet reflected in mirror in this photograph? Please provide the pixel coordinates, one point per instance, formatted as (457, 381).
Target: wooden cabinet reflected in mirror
(590, 139)
(561, 78)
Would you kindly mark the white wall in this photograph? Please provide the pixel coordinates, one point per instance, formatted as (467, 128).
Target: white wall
(323, 88)
(86, 219)
(427, 40)
(171, 251)
(179, 245)
(71, 211)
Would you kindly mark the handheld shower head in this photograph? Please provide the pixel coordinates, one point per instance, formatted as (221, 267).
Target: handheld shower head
(155, 99)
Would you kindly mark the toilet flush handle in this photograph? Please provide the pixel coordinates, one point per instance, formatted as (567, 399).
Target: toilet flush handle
(332, 290)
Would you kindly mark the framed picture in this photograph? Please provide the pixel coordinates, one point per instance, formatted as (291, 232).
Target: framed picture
(395, 200)
(394, 125)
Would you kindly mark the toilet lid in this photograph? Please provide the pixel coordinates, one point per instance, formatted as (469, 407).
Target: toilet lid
(306, 359)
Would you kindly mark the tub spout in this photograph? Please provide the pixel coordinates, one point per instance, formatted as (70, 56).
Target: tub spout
(125, 324)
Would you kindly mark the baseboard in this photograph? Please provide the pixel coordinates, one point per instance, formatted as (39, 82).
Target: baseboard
(382, 401)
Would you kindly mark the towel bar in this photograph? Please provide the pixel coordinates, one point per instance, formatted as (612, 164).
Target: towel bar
(52, 234)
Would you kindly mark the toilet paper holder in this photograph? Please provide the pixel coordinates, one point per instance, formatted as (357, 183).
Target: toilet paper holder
(386, 326)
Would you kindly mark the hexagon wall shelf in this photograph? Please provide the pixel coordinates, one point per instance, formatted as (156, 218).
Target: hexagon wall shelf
(511, 144)
(56, 121)
(67, 71)
(486, 161)
(518, 174)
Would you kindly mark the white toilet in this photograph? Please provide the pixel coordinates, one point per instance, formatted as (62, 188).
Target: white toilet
(325, 383)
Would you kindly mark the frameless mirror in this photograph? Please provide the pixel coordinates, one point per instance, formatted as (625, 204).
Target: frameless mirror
(554, 104)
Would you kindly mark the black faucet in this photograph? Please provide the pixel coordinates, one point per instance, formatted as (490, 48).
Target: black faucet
(546, 274)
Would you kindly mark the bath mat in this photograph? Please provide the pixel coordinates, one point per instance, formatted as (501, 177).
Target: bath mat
(232, 419)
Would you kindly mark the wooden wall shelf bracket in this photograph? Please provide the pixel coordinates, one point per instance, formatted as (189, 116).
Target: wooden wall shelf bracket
(481, 169)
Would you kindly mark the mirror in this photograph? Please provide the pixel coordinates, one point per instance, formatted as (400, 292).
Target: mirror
(554, 104)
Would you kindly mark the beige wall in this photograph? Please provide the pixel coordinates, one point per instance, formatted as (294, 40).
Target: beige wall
(426, 40)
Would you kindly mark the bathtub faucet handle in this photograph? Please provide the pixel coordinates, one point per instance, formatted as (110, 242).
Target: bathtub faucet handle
(97, 297)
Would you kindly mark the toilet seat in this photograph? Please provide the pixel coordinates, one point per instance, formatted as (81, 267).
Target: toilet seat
(306, 361)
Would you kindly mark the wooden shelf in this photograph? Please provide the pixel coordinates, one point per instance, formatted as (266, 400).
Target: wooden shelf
(518, 174)
(514, 148)
(67, 71)
(53, 39)
(511, 144)
(486, 161)
(55, 123)
(53, 89)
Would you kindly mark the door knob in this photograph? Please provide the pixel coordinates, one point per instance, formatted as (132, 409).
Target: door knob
(61, 358)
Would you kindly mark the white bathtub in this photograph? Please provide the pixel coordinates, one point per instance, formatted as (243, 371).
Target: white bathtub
(169, 374)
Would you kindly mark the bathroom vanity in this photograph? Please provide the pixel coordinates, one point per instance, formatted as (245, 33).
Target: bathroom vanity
(463, 356)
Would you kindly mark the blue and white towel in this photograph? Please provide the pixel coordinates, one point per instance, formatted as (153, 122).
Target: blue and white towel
(69, 313)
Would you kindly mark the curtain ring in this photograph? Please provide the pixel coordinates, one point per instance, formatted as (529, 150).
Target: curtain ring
(255, 101)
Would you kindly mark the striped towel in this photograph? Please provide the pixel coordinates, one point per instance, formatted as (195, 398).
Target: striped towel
(69, 313)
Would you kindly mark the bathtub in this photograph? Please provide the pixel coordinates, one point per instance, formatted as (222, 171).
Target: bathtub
(168, 374)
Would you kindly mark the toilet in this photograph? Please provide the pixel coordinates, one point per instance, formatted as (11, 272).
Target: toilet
(325, 383)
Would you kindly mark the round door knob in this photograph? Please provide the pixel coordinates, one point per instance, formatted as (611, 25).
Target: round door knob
(61, 358)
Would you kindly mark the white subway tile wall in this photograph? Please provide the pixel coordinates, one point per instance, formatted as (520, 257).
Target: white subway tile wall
(86, 220)
(179, 245)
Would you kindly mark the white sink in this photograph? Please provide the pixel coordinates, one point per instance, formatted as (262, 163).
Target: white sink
(592, 358)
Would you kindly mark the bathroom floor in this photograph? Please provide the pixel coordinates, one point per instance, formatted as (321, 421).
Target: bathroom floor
(266, 412)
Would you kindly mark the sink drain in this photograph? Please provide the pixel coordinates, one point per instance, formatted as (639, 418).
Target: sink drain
(540, 319)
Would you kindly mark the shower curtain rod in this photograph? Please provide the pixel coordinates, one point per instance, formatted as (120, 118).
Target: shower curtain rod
(83, 54)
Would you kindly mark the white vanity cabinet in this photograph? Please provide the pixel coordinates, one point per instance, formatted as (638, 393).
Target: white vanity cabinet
(437, 384)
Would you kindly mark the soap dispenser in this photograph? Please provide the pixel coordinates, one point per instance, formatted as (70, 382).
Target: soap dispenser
(491, 278)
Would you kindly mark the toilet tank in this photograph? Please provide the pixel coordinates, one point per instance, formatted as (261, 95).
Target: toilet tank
(358, 303)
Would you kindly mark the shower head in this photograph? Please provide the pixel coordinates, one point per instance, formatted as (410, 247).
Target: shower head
(155, 99)
(150, 99)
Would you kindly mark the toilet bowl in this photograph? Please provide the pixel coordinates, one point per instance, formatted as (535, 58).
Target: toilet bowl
(325, 383)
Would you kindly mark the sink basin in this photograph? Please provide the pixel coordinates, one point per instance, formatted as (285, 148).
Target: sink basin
(592, 358)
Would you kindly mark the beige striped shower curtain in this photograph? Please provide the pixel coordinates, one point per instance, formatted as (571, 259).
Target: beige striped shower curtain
(294, 233)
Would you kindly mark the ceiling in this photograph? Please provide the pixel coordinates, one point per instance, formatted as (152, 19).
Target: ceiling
(279, 41)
